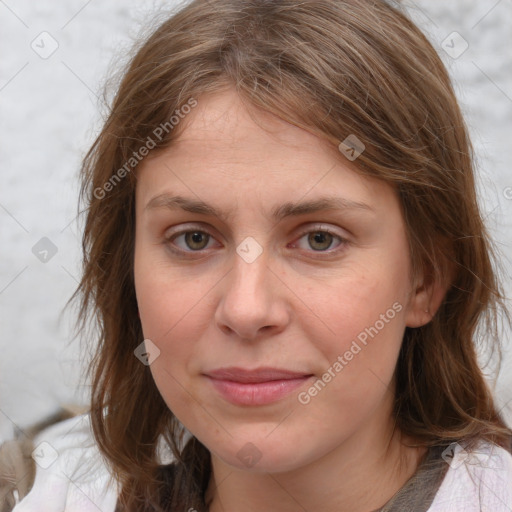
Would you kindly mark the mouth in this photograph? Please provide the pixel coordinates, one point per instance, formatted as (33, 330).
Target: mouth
(255, 387)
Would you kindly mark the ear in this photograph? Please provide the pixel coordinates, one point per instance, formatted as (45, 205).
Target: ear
(427, 294)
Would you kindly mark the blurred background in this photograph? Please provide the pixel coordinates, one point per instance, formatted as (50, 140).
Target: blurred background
(56, 56)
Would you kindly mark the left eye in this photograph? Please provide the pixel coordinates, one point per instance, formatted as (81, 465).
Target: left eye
(320, 240)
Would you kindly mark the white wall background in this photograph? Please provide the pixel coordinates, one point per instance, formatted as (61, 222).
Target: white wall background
(50, 113)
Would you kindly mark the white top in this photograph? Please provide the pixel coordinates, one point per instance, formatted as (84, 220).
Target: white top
(72, 477)
(479, 481)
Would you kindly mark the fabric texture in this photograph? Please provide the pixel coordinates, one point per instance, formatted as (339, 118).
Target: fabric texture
(477, 481)
(71, 476)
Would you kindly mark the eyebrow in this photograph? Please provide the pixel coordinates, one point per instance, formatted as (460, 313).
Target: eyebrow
(278, 213)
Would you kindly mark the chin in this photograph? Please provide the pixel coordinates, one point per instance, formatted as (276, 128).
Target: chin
(262, 456)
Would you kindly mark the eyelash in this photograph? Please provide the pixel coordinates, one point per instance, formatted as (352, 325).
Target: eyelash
(169, 241)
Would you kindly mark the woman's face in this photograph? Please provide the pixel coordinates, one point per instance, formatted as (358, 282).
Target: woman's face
(277, 254)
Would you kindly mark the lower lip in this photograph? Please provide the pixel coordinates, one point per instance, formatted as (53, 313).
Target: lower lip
(257, 393)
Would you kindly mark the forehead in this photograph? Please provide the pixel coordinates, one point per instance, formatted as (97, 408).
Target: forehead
(221, 121)
(229, 154)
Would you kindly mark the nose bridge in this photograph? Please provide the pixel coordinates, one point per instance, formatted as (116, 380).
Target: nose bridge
(250, 265)
(250, 278)
(250, 298)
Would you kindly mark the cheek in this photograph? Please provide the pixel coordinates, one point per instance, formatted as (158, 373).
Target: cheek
(368, 297)
(368, 339)
(174, 311)
(366, 316)
(167, 297)
(363, 320)
(171, 318)
(173, 321)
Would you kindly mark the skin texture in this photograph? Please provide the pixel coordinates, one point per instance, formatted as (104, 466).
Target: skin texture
(294, 307)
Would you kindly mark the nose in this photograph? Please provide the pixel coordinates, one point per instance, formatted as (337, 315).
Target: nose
(253, 302)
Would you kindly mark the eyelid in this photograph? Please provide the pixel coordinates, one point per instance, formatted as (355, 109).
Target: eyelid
(308, 228)
(184, 228)
(321, 227)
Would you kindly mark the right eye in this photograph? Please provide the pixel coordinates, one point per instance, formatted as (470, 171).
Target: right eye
(189, 241)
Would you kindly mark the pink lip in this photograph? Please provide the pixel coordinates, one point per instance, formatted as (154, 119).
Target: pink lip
(255, 387)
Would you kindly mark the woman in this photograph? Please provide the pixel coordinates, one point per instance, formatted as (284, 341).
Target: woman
(287, 265)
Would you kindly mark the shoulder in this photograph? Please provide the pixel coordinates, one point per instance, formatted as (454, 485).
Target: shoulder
(477, 480)
(70, 472)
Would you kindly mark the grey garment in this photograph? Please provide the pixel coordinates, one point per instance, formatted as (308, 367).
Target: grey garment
(419, 491)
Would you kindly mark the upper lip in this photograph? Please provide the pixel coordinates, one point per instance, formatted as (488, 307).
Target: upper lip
(257, 375)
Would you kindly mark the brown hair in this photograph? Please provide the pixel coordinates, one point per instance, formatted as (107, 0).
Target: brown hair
(335, 68)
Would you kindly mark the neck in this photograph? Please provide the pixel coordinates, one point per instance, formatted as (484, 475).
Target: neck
(360, 475)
